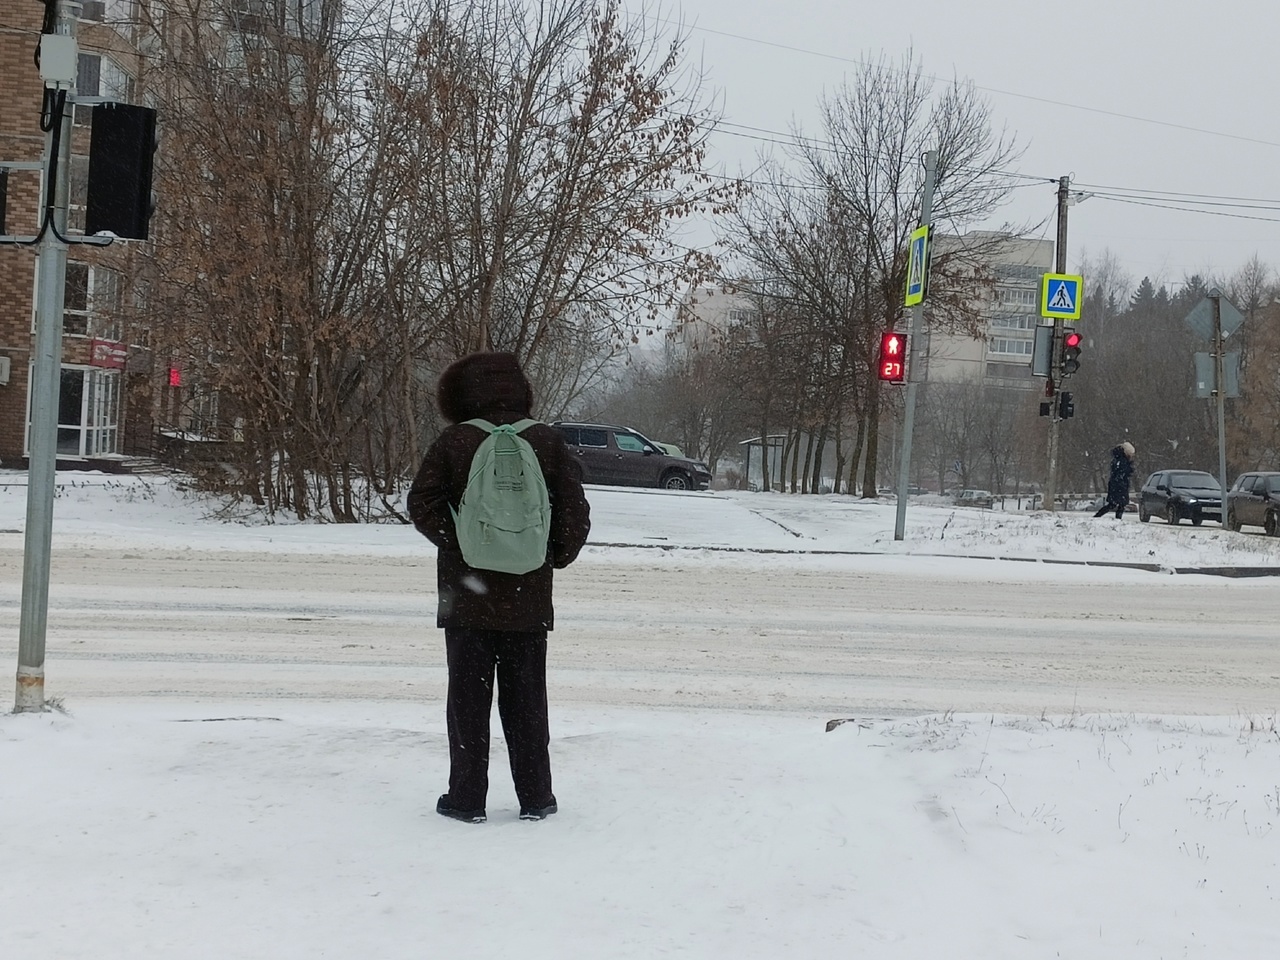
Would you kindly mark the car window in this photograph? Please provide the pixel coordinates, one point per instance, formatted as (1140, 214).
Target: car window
(626, 441)
(1153, 481)
(1248, 482)
(570, 434)
(1273, 484)
(1192, 479)
(587, 437)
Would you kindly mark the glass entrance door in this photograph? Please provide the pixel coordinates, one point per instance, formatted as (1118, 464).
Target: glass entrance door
(88, 411)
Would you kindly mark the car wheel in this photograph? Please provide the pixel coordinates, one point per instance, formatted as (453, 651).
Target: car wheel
(1272, 524)
(1143, 515)
(1172, 514)
(1233, 522)
(676, 481)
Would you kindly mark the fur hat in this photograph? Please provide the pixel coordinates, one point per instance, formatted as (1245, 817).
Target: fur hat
(1127, 447)
(481, 384)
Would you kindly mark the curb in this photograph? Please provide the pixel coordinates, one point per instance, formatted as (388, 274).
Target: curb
(1232, 572)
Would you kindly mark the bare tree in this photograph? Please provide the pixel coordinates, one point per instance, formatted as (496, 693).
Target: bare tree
(550, 147)
(835, 230)
(354, 194)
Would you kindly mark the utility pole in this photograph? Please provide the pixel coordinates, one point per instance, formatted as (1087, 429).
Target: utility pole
(913, 357)
(58, 71)
(1219, 352)
(1055, 352)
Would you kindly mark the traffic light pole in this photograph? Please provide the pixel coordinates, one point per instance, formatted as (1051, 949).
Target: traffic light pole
(1055, 354)
(913, 367)
(58, 72)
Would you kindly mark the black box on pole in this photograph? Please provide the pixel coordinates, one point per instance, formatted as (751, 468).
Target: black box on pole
(121, 152)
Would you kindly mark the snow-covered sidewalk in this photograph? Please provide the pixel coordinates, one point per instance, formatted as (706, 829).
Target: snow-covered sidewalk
(305, 830)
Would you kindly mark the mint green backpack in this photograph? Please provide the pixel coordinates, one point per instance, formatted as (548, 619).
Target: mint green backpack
(504, 519)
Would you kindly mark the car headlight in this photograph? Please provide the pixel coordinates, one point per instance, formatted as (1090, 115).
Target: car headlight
(1190, 500)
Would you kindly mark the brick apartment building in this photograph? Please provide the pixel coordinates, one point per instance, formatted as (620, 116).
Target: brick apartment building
(105, 392)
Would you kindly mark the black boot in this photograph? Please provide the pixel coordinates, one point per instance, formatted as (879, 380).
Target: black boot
(446, 809)
(539, 813)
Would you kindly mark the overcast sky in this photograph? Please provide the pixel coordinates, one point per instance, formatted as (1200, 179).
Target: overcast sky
(1161, 98)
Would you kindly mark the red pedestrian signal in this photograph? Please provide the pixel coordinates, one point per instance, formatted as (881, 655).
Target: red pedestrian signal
(893, 357)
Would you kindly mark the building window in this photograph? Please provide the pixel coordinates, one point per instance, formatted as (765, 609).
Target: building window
(1009, 347)
(75, 300)
(91, 301)
(99, 76)
(741, 316)
(104, 302)
(109, 11)
(1019, 271)
(1017, 297)
(78, 193)
(1014, 321)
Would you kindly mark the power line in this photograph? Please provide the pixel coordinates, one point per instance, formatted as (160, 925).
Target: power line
(1170, 193)
(977, 86)
(1165, 206)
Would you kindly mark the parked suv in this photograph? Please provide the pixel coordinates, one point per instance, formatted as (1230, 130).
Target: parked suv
(975, 498)
(1179, 495)
(1254, 500)
(622, 457)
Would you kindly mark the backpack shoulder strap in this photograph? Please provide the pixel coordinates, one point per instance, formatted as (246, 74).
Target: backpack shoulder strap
(520, 426)
(484, 425)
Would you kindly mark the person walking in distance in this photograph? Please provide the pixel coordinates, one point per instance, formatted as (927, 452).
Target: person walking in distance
(1118, 481)
(494, 575)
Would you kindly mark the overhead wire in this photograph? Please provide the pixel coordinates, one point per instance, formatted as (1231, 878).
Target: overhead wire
(1149, 197)
(857, 61)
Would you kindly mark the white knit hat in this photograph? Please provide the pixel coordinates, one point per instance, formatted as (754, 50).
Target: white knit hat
(1127, 447)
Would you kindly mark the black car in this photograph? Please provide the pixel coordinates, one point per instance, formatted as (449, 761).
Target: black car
(1254, 500)
(1179, 495)
(620, 456)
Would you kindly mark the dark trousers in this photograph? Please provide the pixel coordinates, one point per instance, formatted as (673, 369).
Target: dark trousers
(520, 661)
(1109, 506)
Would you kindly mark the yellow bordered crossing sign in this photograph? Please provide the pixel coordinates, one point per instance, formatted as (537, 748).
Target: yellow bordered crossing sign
(918, 266)
(1060, 296)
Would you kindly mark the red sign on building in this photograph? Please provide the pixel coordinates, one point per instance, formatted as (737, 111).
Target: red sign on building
(107, 353)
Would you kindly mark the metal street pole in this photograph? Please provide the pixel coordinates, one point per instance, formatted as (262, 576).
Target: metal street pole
(913, 365)
(1219, 348)
(58, 71)
(1055, 353)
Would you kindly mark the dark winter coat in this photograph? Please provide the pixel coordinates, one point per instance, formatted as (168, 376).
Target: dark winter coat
(492, 386)
(1121, 474)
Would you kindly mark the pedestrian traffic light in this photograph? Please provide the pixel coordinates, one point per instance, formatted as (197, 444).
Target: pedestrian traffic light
(1070, 352)
(893, 354)
(1066, 406)
(121, 145)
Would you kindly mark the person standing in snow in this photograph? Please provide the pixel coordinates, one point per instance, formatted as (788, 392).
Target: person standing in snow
(1118, 482)
(495, 622)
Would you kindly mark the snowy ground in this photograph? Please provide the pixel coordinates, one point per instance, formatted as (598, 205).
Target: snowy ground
(254, 740)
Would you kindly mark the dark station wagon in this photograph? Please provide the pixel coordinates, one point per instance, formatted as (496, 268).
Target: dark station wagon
(1254, 500)
(622, 457)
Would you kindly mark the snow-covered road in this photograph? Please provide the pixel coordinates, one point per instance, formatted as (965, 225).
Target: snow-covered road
(894, 635)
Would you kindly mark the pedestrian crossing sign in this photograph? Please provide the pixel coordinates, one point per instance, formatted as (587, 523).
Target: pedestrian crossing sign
(1060, 296)
(917, 266)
